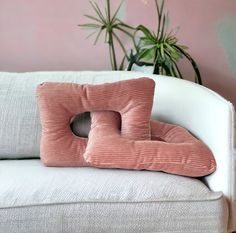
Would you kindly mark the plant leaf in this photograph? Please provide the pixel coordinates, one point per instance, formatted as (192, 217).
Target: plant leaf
(159, 14)
(90, 25)
(162, 28)
(124, 31)
(121, 23)
(117, 10)
(162, 51)
(145, 31)
(121, 67)
(175, 66)
(97, 37)
(183, 47)
(91, 34)
(198, 78)
(146, 53)
(98, 11)
(93, 18)
(121, 45)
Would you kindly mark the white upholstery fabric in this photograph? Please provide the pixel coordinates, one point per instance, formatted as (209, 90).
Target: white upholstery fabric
(28, 182)
(139, 217)
(203, 112)
(36, 199)
(209, 117)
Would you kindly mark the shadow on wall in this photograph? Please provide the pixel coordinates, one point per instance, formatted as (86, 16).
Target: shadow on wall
(224, 86)
(226, 30)
(215, 79)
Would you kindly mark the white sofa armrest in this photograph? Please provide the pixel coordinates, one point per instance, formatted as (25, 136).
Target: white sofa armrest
(210, 118)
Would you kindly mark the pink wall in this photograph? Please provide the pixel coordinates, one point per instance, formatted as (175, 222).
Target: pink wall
(43, 35)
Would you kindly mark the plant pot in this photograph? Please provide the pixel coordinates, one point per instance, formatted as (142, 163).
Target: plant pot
(144, 69)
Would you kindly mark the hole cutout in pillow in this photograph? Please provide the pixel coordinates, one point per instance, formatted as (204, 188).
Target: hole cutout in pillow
(81, 124)
(176, 150)
(59, 103)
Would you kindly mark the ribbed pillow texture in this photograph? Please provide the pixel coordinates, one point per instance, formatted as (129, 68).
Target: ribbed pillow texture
(172, 148)
(122, 134)
(60, 102)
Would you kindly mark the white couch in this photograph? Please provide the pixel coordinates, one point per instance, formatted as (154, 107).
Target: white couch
(39, 199)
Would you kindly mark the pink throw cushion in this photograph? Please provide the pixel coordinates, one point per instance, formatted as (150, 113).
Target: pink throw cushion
(176, 150)
(60, 102)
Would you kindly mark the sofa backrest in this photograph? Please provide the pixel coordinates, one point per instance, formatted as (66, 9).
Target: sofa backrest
(20, 128)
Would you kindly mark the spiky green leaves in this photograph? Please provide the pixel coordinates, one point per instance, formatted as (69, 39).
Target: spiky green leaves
(162, 48)
(110, 25)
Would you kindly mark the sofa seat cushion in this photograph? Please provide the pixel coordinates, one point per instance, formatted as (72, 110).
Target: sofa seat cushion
(28, 182)
(39, 199)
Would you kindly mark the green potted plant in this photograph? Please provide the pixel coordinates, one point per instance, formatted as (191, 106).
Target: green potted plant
(159, 49)
(110, 25)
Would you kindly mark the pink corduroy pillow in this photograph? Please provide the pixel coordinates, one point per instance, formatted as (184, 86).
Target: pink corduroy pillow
(172, 148)
(59, 103)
